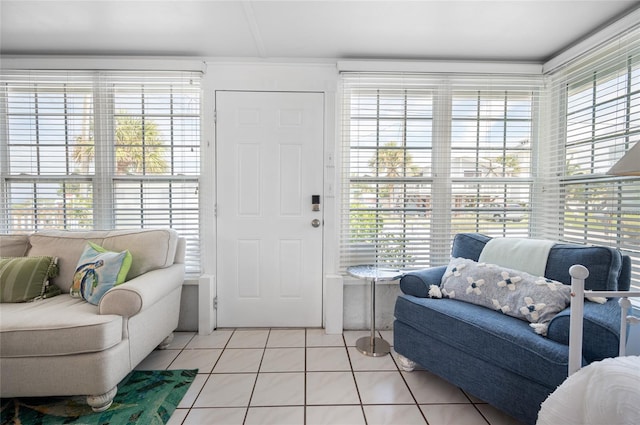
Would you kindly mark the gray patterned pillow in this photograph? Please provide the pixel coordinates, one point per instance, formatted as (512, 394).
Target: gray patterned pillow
(515, 293)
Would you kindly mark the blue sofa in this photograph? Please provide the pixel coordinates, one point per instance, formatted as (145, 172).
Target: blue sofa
(498, 358)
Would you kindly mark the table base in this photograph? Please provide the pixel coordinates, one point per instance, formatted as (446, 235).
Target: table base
(379, 348)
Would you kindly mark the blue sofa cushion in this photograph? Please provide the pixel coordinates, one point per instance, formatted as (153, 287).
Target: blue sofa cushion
(607, 269)
(601, 329)
(489, 335)
(468, 245)
(417, 282)
(604, 264)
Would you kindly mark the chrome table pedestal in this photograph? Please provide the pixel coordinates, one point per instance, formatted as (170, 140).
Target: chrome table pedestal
(372, 345)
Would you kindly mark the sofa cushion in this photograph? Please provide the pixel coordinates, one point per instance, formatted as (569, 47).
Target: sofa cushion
(601, 329)
(604, 264)
(98, 271)
(14, 245)
(25, 278)
(607, 269)
(469, 245)
(56, 327)
(150, 248)
(512, 292)
(488, 335)
(418, 282)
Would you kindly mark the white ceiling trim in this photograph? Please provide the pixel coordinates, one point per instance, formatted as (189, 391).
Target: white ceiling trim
(607, 33)
(457, 67)
(103, 63)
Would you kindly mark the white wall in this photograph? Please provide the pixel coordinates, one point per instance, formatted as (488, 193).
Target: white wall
(265, 76)
(345, 306)
(273, 76)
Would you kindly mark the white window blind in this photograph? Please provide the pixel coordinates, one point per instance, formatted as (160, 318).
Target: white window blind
(428, 156)
(594, 120)
(101, 150)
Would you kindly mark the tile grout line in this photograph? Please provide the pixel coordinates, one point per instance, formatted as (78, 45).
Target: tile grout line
(209, 375)
(255, 383)
(355, 382)
(304, 410)
(196, 397)
(410, 391)
(475, 406)
(418, 404)
(392, 349)
(191, 406)
(205, 381)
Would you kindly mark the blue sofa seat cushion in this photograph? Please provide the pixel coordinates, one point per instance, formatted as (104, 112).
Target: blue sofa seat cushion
(489, 335)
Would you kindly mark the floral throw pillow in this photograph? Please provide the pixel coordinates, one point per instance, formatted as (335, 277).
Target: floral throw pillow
(514, 293)
(98, 271)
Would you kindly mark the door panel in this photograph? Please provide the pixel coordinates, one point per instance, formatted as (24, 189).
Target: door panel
(269, 163)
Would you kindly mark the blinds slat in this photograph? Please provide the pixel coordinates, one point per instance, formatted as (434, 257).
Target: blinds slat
(94, 149)
(428, 156)
(596, 120)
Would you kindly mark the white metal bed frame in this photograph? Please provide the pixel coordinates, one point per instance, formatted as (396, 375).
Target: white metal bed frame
(578, 275)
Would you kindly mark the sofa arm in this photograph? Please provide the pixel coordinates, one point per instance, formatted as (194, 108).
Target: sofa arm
(417, 282)
(138, 293)
(601, 334)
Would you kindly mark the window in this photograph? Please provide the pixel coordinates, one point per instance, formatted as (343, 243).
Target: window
(426, 157)
(101, 150)
(491, 177)
(598, 98)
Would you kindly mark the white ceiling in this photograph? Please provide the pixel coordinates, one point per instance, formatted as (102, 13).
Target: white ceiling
(514, 30)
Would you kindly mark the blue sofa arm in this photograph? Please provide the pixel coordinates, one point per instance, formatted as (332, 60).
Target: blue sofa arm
(601, 334)
(417, 282)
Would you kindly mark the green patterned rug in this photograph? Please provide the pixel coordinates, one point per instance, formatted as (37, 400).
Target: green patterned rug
(144, 397)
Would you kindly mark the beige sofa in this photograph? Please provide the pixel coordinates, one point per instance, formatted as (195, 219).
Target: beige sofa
(65, 346)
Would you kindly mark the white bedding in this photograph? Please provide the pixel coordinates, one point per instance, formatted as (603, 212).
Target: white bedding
(603, 393)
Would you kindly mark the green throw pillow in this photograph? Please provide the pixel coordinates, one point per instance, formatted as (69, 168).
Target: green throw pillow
(126, 263)
(98, 271)
(26, 278)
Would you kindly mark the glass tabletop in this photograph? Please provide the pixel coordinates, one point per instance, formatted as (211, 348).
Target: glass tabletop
(370, 271)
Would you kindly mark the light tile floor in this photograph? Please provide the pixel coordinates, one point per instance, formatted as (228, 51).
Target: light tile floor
(305, 377)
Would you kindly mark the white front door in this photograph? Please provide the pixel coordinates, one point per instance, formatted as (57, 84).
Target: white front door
(269, 164)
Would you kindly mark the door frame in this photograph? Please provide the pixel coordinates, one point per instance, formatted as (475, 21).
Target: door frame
(324, 209)
(255, 75)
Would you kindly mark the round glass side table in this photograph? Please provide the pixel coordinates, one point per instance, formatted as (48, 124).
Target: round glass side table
(371, 345)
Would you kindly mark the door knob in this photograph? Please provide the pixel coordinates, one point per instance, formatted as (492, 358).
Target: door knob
(315, 222)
